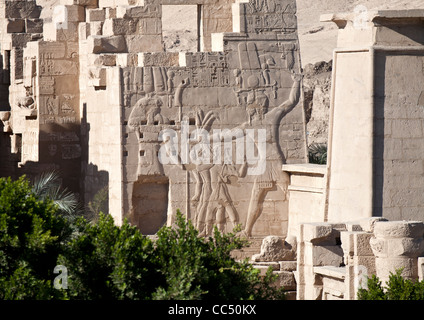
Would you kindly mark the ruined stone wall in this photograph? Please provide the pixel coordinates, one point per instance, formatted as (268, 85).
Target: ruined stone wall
(400, 135)
(243, 86)
(375, 149)
(335, 260)
(94, 94)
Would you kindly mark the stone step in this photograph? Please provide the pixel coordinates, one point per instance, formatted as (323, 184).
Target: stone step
(254, 247)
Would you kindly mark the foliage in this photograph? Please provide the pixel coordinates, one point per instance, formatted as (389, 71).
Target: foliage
(48, 185)
(109, 262)
(397, 288)
(98, 205)
(202, 268)
(317, 153)
(114, 262)
(106, 261)
(31, 236)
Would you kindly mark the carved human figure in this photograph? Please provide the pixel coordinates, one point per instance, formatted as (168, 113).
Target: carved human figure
(220, 202)
(214, 200)
(266, 179)
(238, 85)
(146, 117)
(273, 174)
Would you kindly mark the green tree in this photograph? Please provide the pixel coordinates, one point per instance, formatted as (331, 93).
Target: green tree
(31, 236)
(98, 205)
(106, 261)
(110, 262)
(397, 288)
(203, 268)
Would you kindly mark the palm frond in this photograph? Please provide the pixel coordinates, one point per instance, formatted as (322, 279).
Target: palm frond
(317, 153)
(64, 199)
(48, 186)
(45, 182)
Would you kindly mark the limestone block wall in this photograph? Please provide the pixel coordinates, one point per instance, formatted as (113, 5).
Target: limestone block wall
(20, 24)
(94, 94)
(399, 134)
(306, 195)
(251, 83)
(375, 149)
(318, 245)
(335, 260)
(41, 63)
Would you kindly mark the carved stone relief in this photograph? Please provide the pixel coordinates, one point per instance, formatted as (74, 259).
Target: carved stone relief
(204, 132)
(192, 114)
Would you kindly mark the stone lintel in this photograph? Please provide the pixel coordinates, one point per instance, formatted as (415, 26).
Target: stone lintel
(375, 16)
(306, 168)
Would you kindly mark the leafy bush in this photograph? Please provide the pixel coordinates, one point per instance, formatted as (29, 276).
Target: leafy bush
(397, 288)
(202, 268)
(105, 261)
(114, 262)
(31, 237)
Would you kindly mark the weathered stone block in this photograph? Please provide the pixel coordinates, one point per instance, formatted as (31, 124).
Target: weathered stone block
(83, 30)
(34, 25)
(119, 27)
(420, 268)
(288, 265)
(137, 11)
(127, 59)
(327, 256)
(83, 3)
(150, 26)
(368, 224)
(362, 244)
(273, 248)
(102, 44)
(316, 231)
(15, 25)
(110, 13)
(102, 59)
(144, 43)
(75, 13)
(96, 28)
(399, 229)
(409, 247)
(21, 9)
(286, 280)
(60, 32)
(168, 59)
(96, 15)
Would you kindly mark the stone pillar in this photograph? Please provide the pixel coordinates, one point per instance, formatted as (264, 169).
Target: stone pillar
(358, 255)
(376, 137)
(397, 244)
(317, 246)
(306, 194)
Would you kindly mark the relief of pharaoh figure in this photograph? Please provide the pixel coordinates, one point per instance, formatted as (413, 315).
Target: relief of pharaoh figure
(146, 120)
(267, 170)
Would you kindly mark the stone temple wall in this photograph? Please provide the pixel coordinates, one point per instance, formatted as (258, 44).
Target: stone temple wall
(94, 93)
(251, 86)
